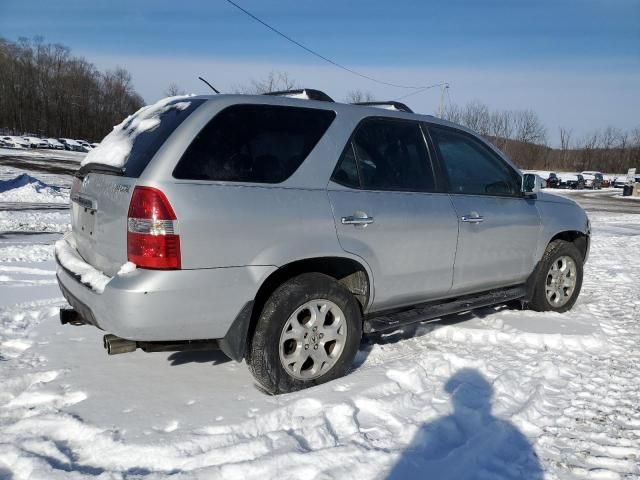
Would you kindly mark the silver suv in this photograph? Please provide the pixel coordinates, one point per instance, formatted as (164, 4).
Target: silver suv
(281, 229)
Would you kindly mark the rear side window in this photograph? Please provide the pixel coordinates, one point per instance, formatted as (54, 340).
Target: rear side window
(389, 155)
(473, 169)
(147, 143)
(254, 143)
(346, 172)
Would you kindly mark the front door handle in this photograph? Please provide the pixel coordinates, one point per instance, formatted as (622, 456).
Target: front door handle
(472, 219)
(357, 220)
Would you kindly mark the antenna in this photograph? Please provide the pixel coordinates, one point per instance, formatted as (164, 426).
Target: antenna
(444, 89)
(210, 86)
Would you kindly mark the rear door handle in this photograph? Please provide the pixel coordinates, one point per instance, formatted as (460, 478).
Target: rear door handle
(472, 219)
(353, 220)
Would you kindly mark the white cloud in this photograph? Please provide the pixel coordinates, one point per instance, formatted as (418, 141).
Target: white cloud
(580, 98)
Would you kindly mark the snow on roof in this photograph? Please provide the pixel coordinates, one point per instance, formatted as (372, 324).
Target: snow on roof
(301, 95)
(115, 148)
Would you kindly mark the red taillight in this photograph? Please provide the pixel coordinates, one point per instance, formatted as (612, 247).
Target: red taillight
(152, 238)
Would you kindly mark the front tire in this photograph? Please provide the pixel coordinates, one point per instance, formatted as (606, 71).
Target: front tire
(308, 333)
(559, 278)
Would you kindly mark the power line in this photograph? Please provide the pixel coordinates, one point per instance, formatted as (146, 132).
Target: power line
(422, 89)
(328, 60)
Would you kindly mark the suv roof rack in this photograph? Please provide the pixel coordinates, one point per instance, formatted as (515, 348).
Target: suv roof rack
(303, 93)
(394, 105)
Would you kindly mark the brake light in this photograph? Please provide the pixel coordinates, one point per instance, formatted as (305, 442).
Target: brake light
(152, 231)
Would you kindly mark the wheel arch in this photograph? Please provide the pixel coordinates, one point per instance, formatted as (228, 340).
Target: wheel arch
(347, 271)
(578, 238)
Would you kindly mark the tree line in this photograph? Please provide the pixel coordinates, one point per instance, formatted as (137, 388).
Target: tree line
(523, 137)
(47, 91)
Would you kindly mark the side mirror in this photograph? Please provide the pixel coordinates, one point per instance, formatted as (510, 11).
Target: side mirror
(531, 185)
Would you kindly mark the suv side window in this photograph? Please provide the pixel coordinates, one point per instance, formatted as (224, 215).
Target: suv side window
(346, 173)
(471, 167)
(254, 143)
(390, 155)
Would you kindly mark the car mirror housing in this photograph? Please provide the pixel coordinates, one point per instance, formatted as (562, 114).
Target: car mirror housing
(531, 185)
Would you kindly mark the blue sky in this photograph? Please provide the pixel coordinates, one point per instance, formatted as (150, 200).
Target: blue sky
(576, 62)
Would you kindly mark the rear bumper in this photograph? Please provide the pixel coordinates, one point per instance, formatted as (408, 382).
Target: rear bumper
(154, 305)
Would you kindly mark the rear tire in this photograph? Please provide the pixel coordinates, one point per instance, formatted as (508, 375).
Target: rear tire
(559, 278)
(308, 333)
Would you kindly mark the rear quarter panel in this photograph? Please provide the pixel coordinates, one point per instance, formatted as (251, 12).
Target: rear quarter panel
(235, 225)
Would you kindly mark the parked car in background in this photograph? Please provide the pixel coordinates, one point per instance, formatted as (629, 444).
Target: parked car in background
(592, 179)
(348, 221)
(572, 181)
(607, 181)
(35, 142)
(620, 181)
(55, 144)
(71, 145)
(7, 142)
(553, 181)
(85, 146)
(94, 145)
(15, 142)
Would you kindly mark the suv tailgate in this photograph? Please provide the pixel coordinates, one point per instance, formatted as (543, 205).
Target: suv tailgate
(99, 220)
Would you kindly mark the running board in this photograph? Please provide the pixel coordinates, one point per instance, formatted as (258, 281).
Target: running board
(380, 322)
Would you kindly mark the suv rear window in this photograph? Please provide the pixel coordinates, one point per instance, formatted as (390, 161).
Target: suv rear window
(129, 148)
(146, 144)
(254, 143)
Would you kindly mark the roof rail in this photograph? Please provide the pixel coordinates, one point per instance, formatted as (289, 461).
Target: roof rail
(303, 93)
(391, 105)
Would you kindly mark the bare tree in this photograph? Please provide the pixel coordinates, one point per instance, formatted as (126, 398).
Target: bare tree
(565, 145)
(174, 90)
(359, 96)
(476, 116)
(274, 82)
(529, 128)
(453, 113)
(501, 127)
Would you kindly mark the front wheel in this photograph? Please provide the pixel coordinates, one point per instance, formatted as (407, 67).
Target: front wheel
(308, 333)
(559, 278)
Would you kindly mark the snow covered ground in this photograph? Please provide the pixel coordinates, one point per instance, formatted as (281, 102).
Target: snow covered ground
(467, 397)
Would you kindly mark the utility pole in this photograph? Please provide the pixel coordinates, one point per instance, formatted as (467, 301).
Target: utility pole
(443, 91)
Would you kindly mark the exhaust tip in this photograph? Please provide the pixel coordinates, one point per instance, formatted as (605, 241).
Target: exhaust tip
(116, 345)
(71, 317)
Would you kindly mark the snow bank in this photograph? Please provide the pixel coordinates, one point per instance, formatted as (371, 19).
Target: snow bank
(114, 150)
(27, 189)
